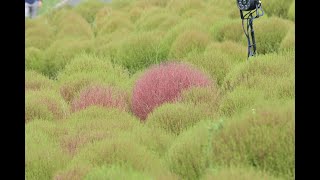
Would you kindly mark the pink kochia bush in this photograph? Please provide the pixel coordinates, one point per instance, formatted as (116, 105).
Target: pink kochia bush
(164, 83)
(100, 96)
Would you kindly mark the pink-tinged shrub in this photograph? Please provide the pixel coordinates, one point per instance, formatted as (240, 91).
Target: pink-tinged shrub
(100, 96)
(164, 83)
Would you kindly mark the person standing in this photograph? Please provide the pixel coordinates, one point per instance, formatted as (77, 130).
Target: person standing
(31, 8)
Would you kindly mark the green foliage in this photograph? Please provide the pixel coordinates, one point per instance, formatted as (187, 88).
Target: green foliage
(75, 26)
(268, 39)
(238, 100)
(34, 59)
(189, 42)
(288, 42)
(88, 9)
(43, 155)
(86, 70)
(219, 58)
(183, 6)
(37, 81)
(46, 104)
(175, 118)
(277, 7)
(263, 138)
(39, 33)
(115, 151)
(94, 124)
(205, 98)
(266, 66)
(156, 18)
(116, 172)
(188, 155)
(291, 11)
(227, 29)
(61, 52)
(240, 173)
(140, 51)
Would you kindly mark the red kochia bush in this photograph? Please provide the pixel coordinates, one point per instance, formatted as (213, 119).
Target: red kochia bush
(100, 96)
(163, 83)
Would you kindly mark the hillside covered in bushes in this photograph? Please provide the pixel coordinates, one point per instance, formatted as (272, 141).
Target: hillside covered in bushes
(159, 89)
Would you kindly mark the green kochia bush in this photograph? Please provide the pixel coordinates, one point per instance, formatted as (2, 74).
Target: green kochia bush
(140, 50)
(43, 155)
(88, 9)
(268, 39)
(34, 59)
(189, 42)
(291, 11)
(277, 7)
(39, 33)
(74, 25)
(61, 52)
(85, 70)
(239, 173)
(116, 172)
(37, 81)
(115, 151)
(45, 104)
(227, 29)
(263, 138)
(94, 124)
(189, 154)
(288, 42)
(175, 118)
(219, 58)
(269, 65)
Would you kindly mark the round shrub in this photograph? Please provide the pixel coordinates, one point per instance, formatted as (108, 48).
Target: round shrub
(270, 66)
(175, 118)
(38, 33)
(238, 100)
(74, 25)
(73, 171)
(85, 70)
(89, 9)
(227, 29)
(240, 173)
(114, 151)
(140, 50)
(155, 139)
(263, 138)
(268, 40)
(103, 15)
(288, 42)
(45, 104)
(277, 7)
(52, 129)
(113, 24)
(61, 53)
(135, 14)
(189, 42)
(34, 59)
(156, 18)
(183, 6)
(43, 155)
(163, 83)
(100, 96)
(188, 155)
(94, 124)
(291, 11)
(116, 172)
(37, 81)
(205, 98)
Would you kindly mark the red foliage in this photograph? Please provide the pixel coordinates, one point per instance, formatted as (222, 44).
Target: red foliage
(100, 96)
(164, 83)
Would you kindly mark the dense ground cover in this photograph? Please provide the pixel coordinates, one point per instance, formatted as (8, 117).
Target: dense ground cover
(159, 89)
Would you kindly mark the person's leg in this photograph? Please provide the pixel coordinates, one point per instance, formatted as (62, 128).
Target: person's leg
(27, 10)
(34, 9)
